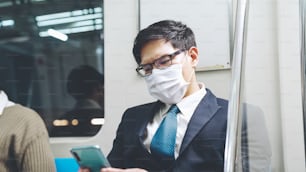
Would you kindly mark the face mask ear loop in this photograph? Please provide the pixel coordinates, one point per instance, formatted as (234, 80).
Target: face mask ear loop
(190, 75)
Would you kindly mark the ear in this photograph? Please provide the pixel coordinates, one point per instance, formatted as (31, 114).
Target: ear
(193, 53)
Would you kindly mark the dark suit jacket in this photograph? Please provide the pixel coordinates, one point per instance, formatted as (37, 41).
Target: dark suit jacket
(202, 148)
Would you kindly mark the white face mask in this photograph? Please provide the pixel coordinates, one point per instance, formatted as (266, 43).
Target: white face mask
(167, 85)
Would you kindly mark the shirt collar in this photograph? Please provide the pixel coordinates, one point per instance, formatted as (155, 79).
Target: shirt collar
(188, 104)
(4, 101)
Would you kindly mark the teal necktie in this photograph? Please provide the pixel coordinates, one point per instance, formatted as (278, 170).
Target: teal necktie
(163, 142)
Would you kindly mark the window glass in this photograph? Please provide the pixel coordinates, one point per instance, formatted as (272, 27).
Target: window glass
(52, 61)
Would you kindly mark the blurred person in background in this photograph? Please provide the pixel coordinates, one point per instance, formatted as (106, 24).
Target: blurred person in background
(86, 85)
(24, 140)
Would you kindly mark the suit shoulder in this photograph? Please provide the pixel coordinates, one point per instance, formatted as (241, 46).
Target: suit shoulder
(143, 110)
(222, 101)
(142, 106)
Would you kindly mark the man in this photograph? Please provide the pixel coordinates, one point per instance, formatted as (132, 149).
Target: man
(167, 56)
(24, 143)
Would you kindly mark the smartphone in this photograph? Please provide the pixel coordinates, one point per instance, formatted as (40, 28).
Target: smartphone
(90, 157)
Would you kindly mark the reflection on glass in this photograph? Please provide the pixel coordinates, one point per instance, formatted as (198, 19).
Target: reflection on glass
(35, 64)
(86, 85)
(248, 147)
(255, 151)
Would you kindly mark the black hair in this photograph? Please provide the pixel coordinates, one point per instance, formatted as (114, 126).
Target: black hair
(83, 80)
(177, 33)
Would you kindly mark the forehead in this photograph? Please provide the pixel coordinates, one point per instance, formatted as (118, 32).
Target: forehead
(155, 49)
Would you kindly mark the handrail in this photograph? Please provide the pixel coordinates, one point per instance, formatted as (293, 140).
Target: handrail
(234, 120)
(230, 29)
(303, 60)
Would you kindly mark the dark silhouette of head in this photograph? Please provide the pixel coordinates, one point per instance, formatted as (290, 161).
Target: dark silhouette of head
(85, 82)
(86, 85)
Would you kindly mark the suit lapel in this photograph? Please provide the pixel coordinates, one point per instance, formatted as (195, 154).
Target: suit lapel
(151, 110)
(203, 113)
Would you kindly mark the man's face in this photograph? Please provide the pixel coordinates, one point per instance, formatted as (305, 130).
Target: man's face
(156, 49)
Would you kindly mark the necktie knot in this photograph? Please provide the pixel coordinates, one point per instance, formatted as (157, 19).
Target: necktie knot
(174, 109)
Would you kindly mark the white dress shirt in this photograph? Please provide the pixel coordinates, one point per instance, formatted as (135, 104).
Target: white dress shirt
(4, 101)
(187, 107)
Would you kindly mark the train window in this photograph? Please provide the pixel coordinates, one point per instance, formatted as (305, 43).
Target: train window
(52, 61)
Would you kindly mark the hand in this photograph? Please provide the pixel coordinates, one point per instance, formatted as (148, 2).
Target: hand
(121, 170)
(83, 170)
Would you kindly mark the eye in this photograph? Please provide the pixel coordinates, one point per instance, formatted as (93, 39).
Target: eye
(164, 61)
(147, 68)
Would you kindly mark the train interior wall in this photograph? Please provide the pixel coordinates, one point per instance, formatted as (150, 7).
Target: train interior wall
(272, 69)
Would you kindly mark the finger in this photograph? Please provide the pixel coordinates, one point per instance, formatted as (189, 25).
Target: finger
(83, 170)
(111, 170)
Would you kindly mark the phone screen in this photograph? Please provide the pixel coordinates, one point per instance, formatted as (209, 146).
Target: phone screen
(90, 157)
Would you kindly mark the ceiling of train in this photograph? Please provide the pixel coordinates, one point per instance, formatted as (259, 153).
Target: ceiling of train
(21, 20)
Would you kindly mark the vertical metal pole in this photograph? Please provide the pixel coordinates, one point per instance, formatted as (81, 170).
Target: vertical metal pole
(303, 60)
(233, 122)
(139, 15)
(230, 29)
